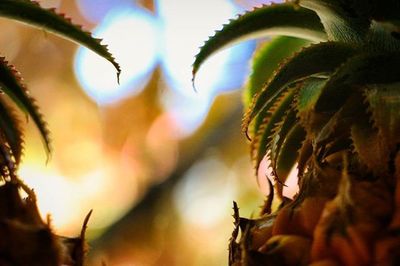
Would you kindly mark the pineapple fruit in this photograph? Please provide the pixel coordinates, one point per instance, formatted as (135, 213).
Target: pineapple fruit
(25, 239)
(323, 96)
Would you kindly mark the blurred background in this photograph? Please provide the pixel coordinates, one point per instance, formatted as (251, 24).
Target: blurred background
(158, 162)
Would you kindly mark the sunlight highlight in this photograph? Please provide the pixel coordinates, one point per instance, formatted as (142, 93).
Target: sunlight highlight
(68, 200)
(95, 11)
(132, 35)
(185, 26)
(204, 196)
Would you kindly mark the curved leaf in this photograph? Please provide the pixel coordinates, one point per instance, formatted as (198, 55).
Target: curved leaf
(338, 125)
(267, 59)
(10, 83)
(279, 135)
(268, 109)
(340, 20)
(305, 153)
(384, 106)
(262, 140)
(305, 103)
(282, 19)
(9, 127)
(358, 71)
(383, 36)
(7, 166)
(370, 148)
(289, 152)
(313, 60)
(334, 134)
(31, 13)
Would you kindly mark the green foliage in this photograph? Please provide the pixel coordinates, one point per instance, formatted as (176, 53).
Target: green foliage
(341, 22)
(30, 12)
(267, 59)
(262, 140)
(11, 85)
(315, 60)
(12, 133)
(340, 92)
(285, 19)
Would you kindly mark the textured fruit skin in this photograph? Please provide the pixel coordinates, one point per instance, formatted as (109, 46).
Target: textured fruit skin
(26, 239)
(332, 109)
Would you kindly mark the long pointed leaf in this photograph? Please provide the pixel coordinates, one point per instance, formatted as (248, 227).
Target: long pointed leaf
(289, 152)
(11, 84)
(31, 13)
(384, 106)
(280, 133)
(316, 59)
(9, 126)
(383, 36)
(306, 99)
(7, 166)
(339, 123)
(282, 19)
(358, 71)
(262, 140)
(305, 153)
(340, 20)
(267, 59)
(269, 108)
(370, 148)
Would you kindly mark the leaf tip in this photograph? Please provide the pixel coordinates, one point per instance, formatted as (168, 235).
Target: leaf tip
(194, 71)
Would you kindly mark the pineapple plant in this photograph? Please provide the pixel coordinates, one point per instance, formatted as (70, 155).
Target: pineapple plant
(25, 238)
(323, 97)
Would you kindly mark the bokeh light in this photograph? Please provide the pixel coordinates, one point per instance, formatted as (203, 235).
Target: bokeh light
(204, 197)
(122, 143)
(186, 25)
(95, 11)
(132, 34)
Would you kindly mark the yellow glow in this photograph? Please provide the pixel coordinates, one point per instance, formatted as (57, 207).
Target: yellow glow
(131, 34)
(69, 199)
(204, 197)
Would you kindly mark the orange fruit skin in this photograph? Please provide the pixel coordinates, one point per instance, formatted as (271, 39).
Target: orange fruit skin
(300, 220)
(260, 235)
(386, 251)
(291, 249)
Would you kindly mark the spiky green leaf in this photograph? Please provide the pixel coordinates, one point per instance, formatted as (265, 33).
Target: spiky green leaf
(305, 153)
(358, 71)
(340, 20)
(384, 106)
(267, 59)
(7, 166)
(262, 140)
(284, 19)
(10, 83)
(305, 102)
(264, 115)
(371, 149)
(338, 125)
(383, 36)
(289, 152)
(318, 59)
(279, 135)
(31, 13)
(10, 129)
